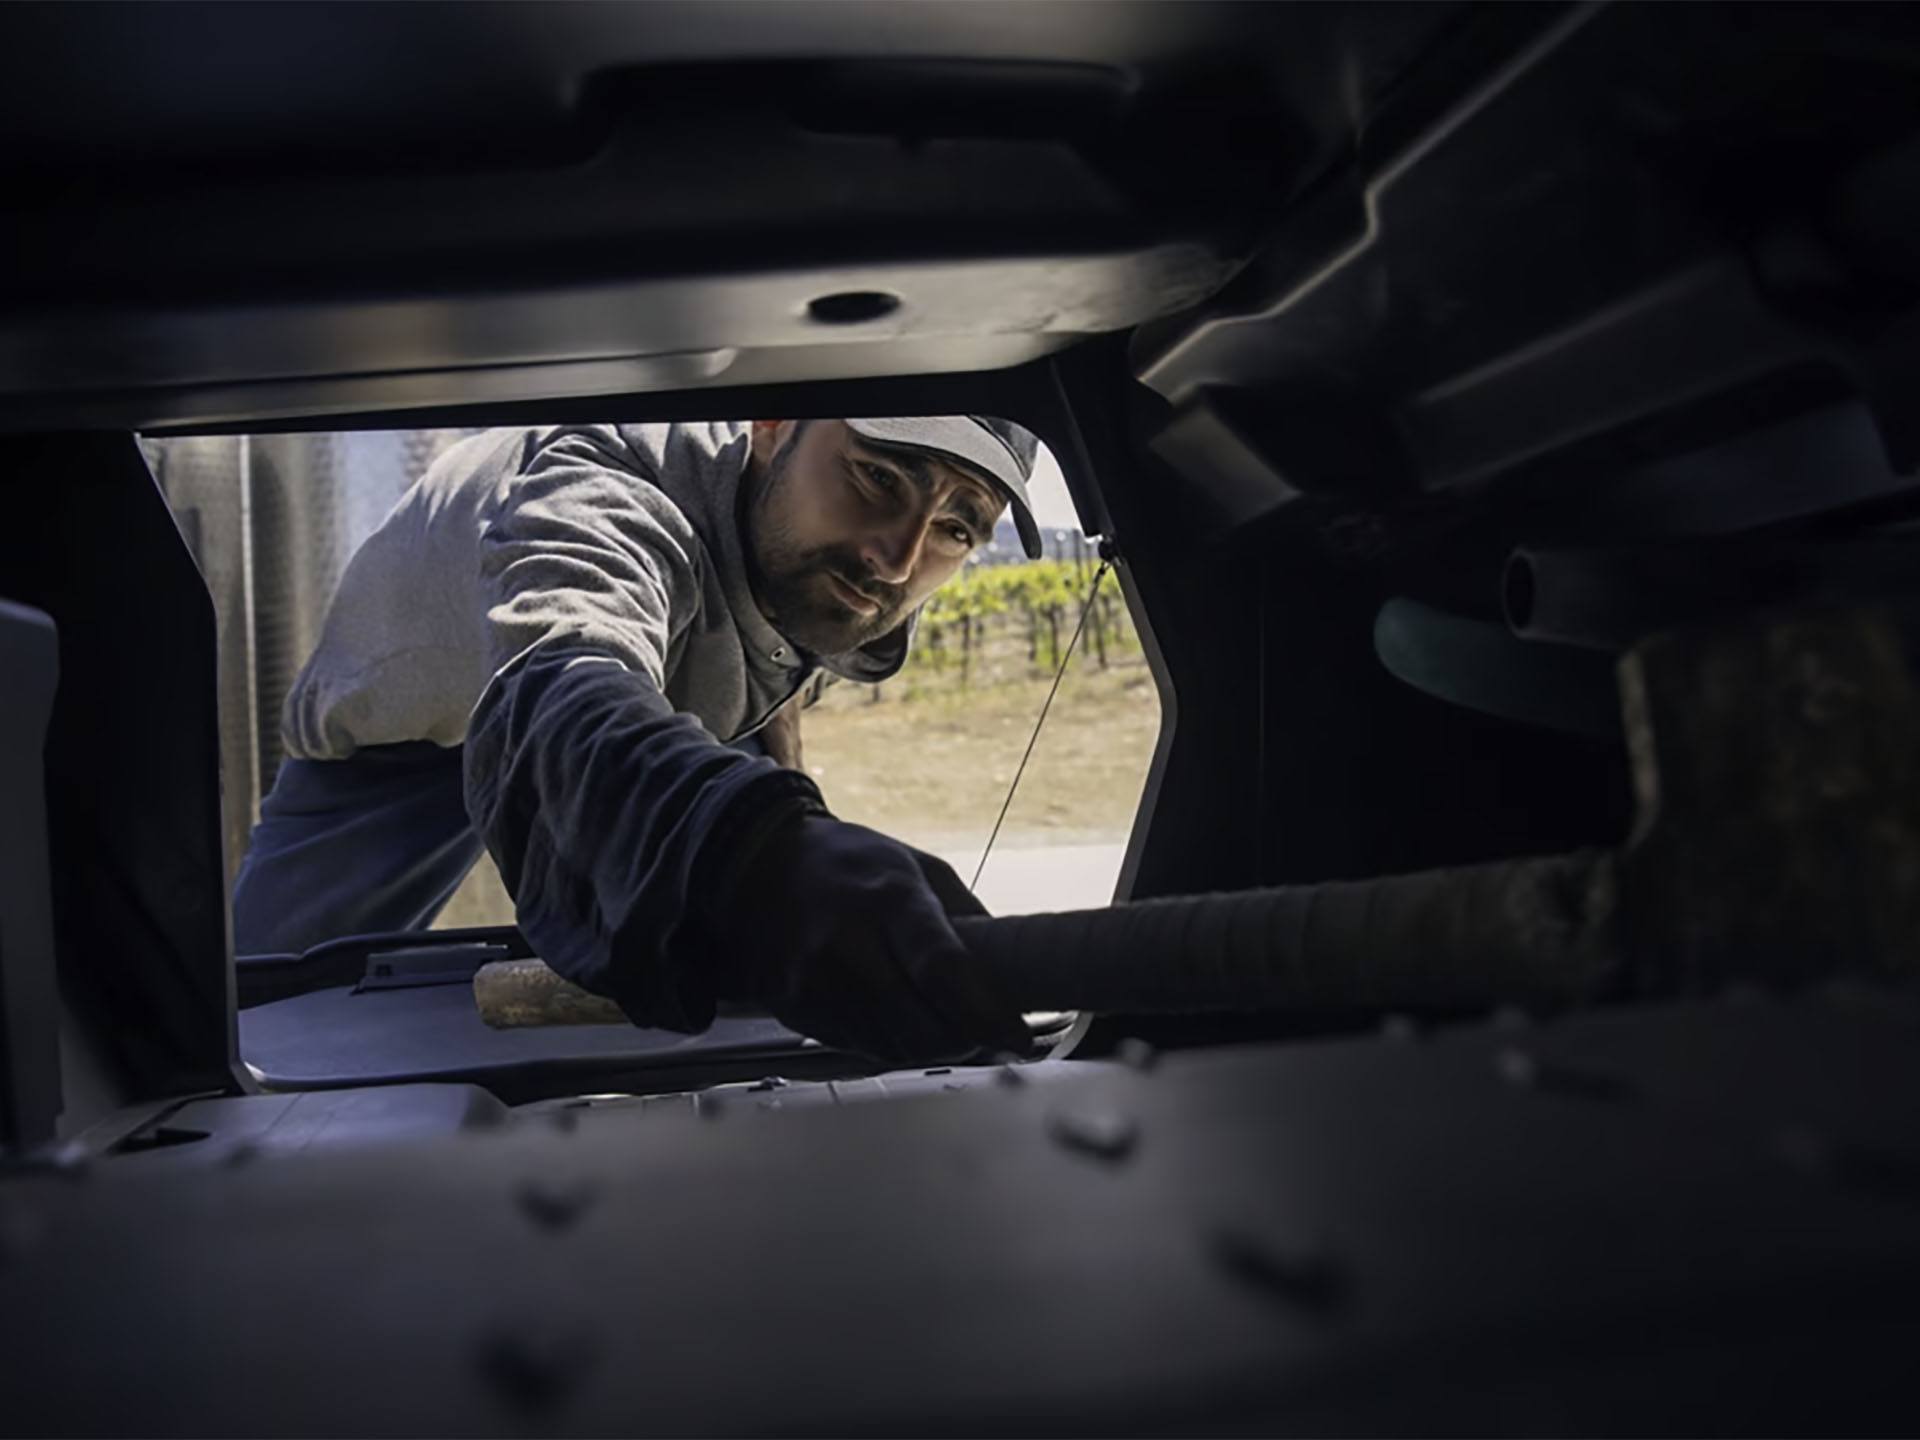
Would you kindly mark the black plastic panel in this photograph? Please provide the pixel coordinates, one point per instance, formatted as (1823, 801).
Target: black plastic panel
(339, 1038)
(1549, 238)
(133, 759)
(1698, 1220)
(224, 214)
(29, 1046)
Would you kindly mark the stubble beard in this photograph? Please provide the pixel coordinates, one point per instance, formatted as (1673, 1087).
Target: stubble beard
(790, 582)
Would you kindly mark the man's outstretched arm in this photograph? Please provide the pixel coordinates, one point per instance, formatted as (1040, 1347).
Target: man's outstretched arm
(654, 865)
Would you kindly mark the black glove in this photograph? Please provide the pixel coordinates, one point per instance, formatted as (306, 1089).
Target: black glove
(844, 935)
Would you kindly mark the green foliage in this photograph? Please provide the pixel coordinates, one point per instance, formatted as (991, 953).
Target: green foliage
(986, 614)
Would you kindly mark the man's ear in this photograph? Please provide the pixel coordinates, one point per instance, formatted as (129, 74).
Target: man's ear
(769, 436)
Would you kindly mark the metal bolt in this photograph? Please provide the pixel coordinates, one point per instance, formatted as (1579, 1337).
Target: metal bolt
(1100, 1134)
(1868, 1170)
(1528, 1072)
(243, 1152)
(66, 1161)
(1516, 1067)
(19, 1230)
(555, 1205)
(767, 1082)
(1311, 1281)
(1805, 1150)
(1853, 992)
(1137, 1054)
(533, 1368)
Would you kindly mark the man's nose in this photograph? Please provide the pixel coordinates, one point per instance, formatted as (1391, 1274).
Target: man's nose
(893, 551)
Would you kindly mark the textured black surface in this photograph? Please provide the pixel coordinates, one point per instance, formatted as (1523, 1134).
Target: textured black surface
(227, 1130)
(1494, 278)
(29, 1050)
(1698, 1220)
(534, 201)
(132, 762)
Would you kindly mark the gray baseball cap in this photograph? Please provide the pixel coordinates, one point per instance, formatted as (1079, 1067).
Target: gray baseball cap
(997, 450)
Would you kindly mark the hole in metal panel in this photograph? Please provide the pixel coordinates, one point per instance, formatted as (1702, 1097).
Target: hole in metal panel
(852, 307)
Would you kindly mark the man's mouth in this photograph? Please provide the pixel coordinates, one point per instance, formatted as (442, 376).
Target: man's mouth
(855, 600)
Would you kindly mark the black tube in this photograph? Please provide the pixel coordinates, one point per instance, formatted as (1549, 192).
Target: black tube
(1527, 932)
(1482, 666)
(1539, 933)
(1611, 599)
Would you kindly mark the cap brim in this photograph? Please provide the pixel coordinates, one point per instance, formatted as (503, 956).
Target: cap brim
(957, 438)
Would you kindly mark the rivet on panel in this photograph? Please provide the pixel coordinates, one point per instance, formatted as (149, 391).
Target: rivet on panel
(1100, 1134)
(1885, 1174)
(1310, 1281)
(242, 1153)
(1528, 1072)
(532, 1368)
(555, 1205)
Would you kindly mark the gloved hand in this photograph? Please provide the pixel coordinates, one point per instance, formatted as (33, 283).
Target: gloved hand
(843, 934)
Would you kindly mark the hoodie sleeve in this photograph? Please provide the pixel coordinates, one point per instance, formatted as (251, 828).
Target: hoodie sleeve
(611, 816)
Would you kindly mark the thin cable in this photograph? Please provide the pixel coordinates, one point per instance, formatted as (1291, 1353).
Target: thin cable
(1085, 610)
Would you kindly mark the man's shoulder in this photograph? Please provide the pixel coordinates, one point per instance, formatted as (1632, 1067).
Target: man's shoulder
(665, 455)
(618, 492)
(684, 476)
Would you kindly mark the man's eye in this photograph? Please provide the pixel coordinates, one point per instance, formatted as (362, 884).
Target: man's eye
(881, 480)
(961, 535)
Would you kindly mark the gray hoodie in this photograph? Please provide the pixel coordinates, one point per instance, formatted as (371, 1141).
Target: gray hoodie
(573, 605)
(623, 536)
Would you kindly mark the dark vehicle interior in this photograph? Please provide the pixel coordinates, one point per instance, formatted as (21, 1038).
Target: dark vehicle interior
(1501, 419)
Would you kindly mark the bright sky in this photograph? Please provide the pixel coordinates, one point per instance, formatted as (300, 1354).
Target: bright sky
(1048, 491)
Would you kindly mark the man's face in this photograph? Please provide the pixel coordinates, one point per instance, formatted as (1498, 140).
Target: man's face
(847, 537)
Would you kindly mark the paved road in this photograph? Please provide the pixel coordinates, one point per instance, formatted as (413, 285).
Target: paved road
(1048, 877)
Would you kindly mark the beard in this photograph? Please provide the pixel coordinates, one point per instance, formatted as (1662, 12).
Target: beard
(798, 587)
(794, 583)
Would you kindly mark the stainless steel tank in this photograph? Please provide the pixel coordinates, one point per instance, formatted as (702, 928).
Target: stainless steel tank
(272, 521)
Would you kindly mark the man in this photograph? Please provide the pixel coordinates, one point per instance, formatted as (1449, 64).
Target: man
(543, 648)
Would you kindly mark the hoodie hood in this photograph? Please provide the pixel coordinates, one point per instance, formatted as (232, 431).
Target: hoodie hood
(702, 467)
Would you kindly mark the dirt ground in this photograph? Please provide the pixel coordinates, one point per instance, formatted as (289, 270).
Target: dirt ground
(933, 770)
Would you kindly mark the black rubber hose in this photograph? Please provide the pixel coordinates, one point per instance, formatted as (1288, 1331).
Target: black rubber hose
(1531, 932)
(1521, 932)
(1611, 599)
